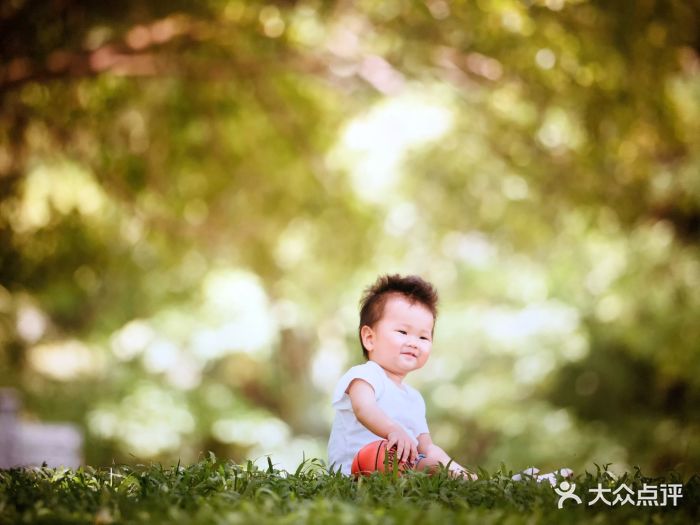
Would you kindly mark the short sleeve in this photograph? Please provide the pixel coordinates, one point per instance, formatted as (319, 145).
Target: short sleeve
(369, 372)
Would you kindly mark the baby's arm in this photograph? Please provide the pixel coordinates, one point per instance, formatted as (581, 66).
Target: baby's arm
(367, 412)
(435, 455)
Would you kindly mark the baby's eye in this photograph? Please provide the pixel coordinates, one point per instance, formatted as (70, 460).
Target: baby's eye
(401, 332)
(425, 339)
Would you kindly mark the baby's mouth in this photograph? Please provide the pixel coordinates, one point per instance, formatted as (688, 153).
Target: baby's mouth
(411, 354)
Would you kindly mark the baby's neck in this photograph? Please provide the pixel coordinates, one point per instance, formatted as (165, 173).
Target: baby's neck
(397, 379)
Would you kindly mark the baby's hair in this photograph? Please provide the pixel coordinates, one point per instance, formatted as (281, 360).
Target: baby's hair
(412, 287)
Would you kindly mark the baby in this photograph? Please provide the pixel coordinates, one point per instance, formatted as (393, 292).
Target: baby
(371, 401)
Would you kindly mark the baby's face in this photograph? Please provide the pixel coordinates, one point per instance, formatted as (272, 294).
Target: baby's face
(401, 340)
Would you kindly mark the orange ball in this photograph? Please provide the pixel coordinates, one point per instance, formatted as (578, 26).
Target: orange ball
(371, 458)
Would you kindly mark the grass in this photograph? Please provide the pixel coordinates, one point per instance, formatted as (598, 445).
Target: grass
(219, 492)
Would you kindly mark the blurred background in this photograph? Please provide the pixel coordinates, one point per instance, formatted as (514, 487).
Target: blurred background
(193, 196)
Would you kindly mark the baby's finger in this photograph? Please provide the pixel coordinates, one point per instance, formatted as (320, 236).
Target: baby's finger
(406, 453)
(399, 451)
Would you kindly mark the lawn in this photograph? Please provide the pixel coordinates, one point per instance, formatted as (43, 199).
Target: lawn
(213, 491)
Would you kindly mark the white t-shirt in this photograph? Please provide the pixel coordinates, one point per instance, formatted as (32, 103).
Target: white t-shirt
(403, 404)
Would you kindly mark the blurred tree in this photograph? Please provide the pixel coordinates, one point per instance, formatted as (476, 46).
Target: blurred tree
(146, 146)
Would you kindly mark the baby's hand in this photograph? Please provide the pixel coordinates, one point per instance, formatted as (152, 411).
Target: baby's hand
(406, 449)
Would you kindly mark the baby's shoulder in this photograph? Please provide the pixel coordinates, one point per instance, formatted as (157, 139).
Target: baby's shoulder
(367, 368)
(369, 372)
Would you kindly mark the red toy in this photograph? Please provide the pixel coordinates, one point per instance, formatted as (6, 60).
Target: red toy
(370, 458)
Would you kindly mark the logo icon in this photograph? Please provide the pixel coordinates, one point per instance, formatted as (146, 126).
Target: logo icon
(566, 491)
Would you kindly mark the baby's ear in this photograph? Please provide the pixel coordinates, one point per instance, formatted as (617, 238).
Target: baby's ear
(367, 335)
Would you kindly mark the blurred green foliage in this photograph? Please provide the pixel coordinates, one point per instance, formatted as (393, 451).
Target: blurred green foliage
(194, 194)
